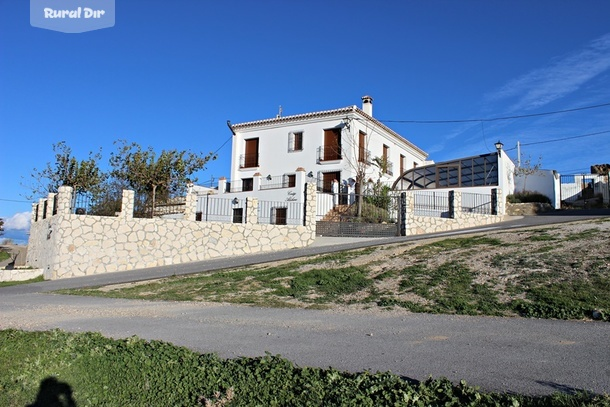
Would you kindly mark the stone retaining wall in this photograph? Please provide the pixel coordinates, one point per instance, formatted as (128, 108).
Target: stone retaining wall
(69, 245)
(533, 208)
(417, 225)
(18, 274)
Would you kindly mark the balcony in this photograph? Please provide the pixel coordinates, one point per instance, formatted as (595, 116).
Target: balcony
(389, 168)
(248, 160)
(326, 153)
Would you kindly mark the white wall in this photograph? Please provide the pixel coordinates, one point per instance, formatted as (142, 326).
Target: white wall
(276, 159)
(546, 182)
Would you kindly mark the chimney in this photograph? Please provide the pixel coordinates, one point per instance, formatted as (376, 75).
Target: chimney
(367, 105)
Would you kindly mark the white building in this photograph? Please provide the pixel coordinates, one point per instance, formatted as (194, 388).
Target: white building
(329, 145)
(273, 159)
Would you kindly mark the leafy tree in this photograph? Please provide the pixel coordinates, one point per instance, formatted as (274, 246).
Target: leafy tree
(67, 170)
(145, 171)
(1, 226)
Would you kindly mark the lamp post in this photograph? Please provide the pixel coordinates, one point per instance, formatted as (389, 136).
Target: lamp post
(499, 146)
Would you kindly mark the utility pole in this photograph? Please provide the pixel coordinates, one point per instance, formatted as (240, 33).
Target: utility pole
(518, 154)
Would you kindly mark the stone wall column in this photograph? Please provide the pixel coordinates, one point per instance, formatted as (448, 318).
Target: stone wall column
(190, 206)
(64, 200)
(457, 205)
(34, 216)
(310, 205)
(222, 185)
(409, 212)
(127, 204)
(256, 181)
(251, 211)
(40, 210)
(49, 206)
(501, 203)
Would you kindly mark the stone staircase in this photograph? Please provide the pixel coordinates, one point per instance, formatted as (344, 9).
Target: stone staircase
(334, 215)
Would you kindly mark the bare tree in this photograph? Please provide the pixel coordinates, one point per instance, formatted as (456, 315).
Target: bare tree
(357, 156)
(527, 168)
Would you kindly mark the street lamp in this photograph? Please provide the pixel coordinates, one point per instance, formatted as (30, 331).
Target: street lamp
(499, 146)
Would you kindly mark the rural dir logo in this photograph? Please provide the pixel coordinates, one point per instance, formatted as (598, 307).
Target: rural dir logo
(72, 16)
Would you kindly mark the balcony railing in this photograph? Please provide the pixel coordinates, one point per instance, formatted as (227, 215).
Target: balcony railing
(329, 154)
(389, 168)
(280, 181)
(248, 160)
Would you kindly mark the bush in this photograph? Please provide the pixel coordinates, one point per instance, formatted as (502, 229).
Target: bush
(528, 197)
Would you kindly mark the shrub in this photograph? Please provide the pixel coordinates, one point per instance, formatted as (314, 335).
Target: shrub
(528, 197)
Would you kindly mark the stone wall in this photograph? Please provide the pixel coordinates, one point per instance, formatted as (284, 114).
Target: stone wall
(19, 274)
(69, 245)
(417, 225)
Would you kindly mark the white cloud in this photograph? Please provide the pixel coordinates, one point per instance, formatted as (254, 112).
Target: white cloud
(560, 78)
(19, 221)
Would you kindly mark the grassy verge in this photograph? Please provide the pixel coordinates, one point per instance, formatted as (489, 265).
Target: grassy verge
(32, 280)
(88, 369)
(555, 272)
(4, 255)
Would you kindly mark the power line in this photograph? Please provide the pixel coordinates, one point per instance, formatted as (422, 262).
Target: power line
(560, 139)
(13, 200)
(493, 119)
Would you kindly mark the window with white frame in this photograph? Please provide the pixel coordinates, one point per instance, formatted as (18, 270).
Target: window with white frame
(295, 141)
(279, 216)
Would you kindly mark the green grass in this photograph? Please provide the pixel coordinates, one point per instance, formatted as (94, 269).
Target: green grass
(11, 283)
(4, 255)
(87, 369)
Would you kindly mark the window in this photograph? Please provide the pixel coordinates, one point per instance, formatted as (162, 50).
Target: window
(295, 141)
(362, 153)
(250, 158)
(328, 179)
(291, 180)
(279, 216)
(387, 164)
(332, 144)
(247, 184)
(238, 215)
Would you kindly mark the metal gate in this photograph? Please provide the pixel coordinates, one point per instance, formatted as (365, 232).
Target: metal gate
(584, 189)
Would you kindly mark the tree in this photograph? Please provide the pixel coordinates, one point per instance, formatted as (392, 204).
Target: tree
(144, 171)
(357, 156)
(527, 169)
(82, 175)
(1, 226)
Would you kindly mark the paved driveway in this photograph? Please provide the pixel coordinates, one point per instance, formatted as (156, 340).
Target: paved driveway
(498, 354)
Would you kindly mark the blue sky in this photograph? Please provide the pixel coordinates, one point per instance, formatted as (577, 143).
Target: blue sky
(170, 74)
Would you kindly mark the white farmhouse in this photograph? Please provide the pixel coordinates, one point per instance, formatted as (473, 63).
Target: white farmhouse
(341, 151)
(329, 145)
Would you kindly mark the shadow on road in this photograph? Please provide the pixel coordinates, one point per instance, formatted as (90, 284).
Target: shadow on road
(577, 212)
(562, 388)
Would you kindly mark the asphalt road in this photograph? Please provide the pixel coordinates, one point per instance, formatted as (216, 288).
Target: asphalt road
(497, 354)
